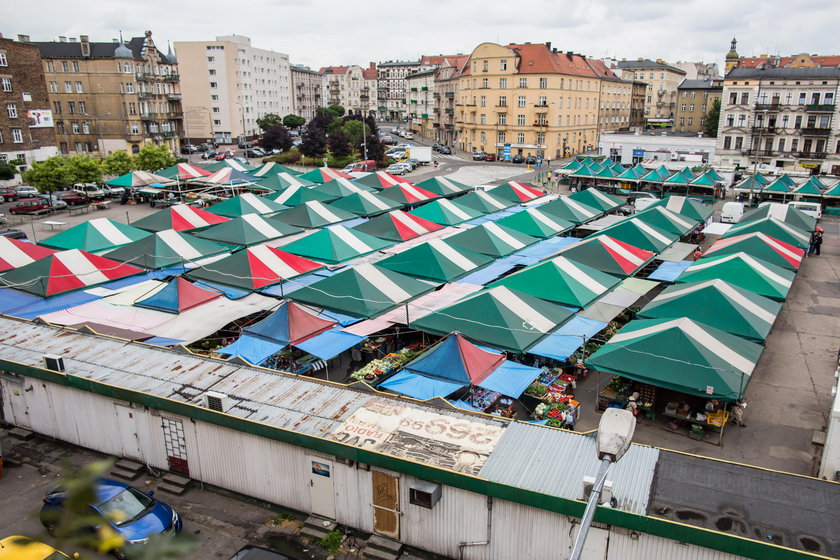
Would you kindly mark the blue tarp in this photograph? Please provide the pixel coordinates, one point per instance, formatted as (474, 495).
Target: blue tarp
(162, 341)
(419, 386)
(30, 307)
(547, 247)
(349, 223)
(465, 405)
(274, 328)
(230, 293)
(166, 299)
(495, 216)
(510, 378)
(330, 344)
(563, 342)
(669, 271)
(490, 272)
(252, 349)
(300, 282)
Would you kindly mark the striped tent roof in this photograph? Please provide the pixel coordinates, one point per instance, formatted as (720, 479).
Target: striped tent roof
(247, 230)
(445, 212)
(491, 239)
(280, 181)
(783, 212)
(295, 195)
(640, 233)
(139, 179)
(247, 203)
(179, 217)
(597, 199)
(273, 168)
(364, 203)
(184, 172)
(746, 271)
(407, 194)
(607, 254)
(535, 222)
(15, 253)
(436, 260)
(485, 202)
(684, 206)
(774, 228)
(443, 186)
(167, 248)
(664, 219)
(324, 174)
(229, 176)
(381, 180)
(759, 245)
(569, 209)
(313, 214)
(336, 244)
(229, 163)
(99, 234)
(397, 226)
(339, 187)
(517, 192)
(254, 268)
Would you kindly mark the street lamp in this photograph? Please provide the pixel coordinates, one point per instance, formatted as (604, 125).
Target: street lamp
(615, 432)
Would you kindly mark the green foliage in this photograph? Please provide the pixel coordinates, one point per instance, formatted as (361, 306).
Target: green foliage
(339, 144)
(313, 141)
(60, 172)
(153, 158)
(7, 171)
(292, 156)
(17, 162)
(119, 163)
(293, 121)
(710, 127)
(331, 542)
(269, 120)
(354, 131)
(277, 137)
(336, 110)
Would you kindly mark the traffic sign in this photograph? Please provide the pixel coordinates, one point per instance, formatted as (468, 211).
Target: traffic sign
(539, 161)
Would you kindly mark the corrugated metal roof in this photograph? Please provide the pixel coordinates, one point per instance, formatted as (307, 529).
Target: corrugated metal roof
(554, 462)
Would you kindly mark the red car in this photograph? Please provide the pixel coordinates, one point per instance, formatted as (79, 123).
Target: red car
(490, 157)
(72, 198)
(8, 194)
(32, 206)
(224, 155)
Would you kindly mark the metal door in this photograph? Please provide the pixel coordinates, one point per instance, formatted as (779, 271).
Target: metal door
(386, 504)
(176, 445)
(16, 397)
(126, 424)
(321, 487)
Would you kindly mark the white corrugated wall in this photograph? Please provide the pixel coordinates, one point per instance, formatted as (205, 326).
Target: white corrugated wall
(634, 546)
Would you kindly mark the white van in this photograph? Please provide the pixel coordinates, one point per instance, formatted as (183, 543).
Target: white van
(90, 190)
(811, 208)
(731, 212)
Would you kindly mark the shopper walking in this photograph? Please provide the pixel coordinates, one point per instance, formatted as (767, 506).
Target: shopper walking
(738, 413)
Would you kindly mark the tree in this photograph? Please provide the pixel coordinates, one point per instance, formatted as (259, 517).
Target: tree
(353, 129)
(339, 144)
(62, 172)
(277, 137)
(375, 147)
(710, 128)
(153, 158)
(336, 110)
(119, 163)
(371, 124)
(293, 121)
(7, 171)
(313, 141)
(268, 120)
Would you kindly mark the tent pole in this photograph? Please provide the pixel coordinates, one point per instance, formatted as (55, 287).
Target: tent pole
(406, 314)
(722, 424)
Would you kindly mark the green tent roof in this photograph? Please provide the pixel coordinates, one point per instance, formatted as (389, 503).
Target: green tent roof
(629, 174)
(139, 179)
(573, 165)
(491, 239)
(397, 226)
(324, 174)
(834, 191)
(782, 212)
(759, 245)
(609, 255)
(749, 184)
(582, 171)
(717, 304)
(499, 317)
(808, 188)
(254, 268)
(681, 355)
(247, 203)
(314, 214)
(640, 170)
(742, 270)
(562, 281)
(247, 230)
(761, 179)
(704, 180)
(787, 180)
(535, 222)
(362, 291)
(587, 161)
(639, 233)
(272, 168)
(364, 203)
(445, 212)
(685, 206)
(335, 245)
(597, 199)
(667, 221)
(219, 165)
(815, 181)
(436, 260)
(677, 179)
(566, 208)
(295, 195)
(714, 174)
(606, 172)
(778, 186)
(652, 176)
(774, 228)
(485, 202)
(340, 187)
(165, 249)
(443, 186)
(280, 181)
(94, 236)
(688, 173)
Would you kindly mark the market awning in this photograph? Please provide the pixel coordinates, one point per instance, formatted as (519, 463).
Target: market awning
(364, 203)
(534, 222)
(567, 209)
(491, 239)
(324, 174)
(273, 168)
(314, 214)
(336, 244)
(407, 194)
(517, 192)
(443, 186)
(608, 255)
(381, 180)
(247, 203)
(776, 229)
(761, 246)
(597, 199)
(789, 215)
(667, 221)
(94, 236)
(445, 212)
(179, 217)
(183, 171)
(435, 260)
(247, 230)
(139, 179)
(397, 226)
(641, 234)
(340, 187)
(15, 253)
(742, 270)
(566, 340)
(254, 268)
(167, 248)
(484, 202)
(295, 195)
(178, 296)
(687, 207)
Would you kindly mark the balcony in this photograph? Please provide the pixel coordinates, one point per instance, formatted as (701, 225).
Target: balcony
(144, 76)
(764, 130)
(449, 94)
(815, 131)
(449, 110)
(175, 115)
(541, 124)
(171, 78)
(168, 133)
(767, 107)
(819, 108)
(145, 94)
(148, 116)
(173, 96)
(811, 155)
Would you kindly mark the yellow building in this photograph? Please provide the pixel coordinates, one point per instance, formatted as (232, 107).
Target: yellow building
(529, 99)
(662, 80)
(694, 100)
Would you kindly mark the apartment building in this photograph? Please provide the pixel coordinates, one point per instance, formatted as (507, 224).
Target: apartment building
(445, 95)
(307, 91)
(228, 84)
(699, 70)
(615, 100)
(393, 88)
(528, 99)
(352, 87)
(662, 80)
(695, 99)
(108, 96)
(421, 102)
(26, 120)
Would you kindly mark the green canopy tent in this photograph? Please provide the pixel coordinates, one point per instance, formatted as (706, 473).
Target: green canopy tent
(774, 228)
(667, 221)
(607, 254)
(499, 317)
(536, 223)
(295, 195)
(788, 180)
(778, 186)
(562, 281)
(491, 239)
(597, 199)
(445, 212)
(588, 161)
(688, 173)
(365, 204)
(744, 271)
(813, 180)
(379, 180)
(681, 355)
(280, 181)
(573, 165)
(272, 168)
(565, 208)
(324, 174)
(718, 304)
(230, 163)
(715, 176)
(247, 230)
(336, 244)
(685, 206)
(254, 268)
(397, 226)
(340, 187)
(653, 176)
(436, 260)
(363, 291)
(640, 233)
(247, 203)
(584, 171)
(677, 179)
(443, 186)
(759, 245)
(95, 236)
(314, 214)
(484, 202)
(165, 249)
(140, 179)
(809, 190)
(704, 180)
(783, 212)
(629, 174)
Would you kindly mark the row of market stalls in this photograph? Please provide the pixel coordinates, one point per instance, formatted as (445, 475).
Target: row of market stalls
(784, 188)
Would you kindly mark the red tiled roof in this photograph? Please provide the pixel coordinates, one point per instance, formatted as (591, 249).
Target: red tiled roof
(334, 70)
(601, 69)
(540, 59)
(755, 61)
(457, 60)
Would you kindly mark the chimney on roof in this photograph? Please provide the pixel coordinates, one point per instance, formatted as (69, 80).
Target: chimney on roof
(548, 44)
(72, 39)
(62, 39)
(22, 38)
(85, 45)
(114, 40)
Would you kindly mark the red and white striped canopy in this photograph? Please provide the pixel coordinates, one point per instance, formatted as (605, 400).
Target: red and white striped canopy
(15, 253)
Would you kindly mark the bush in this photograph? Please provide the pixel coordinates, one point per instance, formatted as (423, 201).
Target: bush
(292, 156)
(331, 542)
(7, 171)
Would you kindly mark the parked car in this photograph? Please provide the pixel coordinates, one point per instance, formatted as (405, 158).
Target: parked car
(113, 191)
(209, 154)
(134, 515)
(90, 190)
(408, 136)
(367, 165)
(72, 198)
(23, 548)
(8, 195)
(479, 156)
(255, 153)
(188, 149)
(633, 196)
(32, 206)
(14, 233)
(490, 157)
(413, 162)
(531, 160)
(517, 158)
(436, 146)
(399, 155)
(259, 553)
(388, 139)
(398, 168)
(25, 191)
(54, 200)
(221, 156)
(245, 145)
(445, 150)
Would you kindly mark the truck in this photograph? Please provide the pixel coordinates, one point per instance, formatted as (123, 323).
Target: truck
(421, 153)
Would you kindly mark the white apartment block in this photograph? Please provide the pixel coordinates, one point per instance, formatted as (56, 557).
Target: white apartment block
(393, 88)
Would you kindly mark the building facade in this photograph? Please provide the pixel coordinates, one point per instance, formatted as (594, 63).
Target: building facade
(393, 88)
(421, 102)
(694, 100)
(699, 70)
(445, 94)
(26, 120)
(228, 84)
(615, 100)
(112, 96)
(637, 104)
(352, 87)
(661, 96)
(307, 91)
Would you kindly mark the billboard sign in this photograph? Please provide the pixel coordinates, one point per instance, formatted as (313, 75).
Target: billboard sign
(41, 118)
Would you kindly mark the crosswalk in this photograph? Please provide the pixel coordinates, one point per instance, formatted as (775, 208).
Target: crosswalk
(444, 156)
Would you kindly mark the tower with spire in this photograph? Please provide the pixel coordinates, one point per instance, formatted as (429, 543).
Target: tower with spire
(732, 56)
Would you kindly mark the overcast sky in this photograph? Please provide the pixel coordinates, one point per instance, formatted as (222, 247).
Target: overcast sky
(337, 32)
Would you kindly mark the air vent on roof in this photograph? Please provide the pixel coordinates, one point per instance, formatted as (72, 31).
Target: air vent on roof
(423, 493)
(217, 401)
(606, 492)
(53, 362)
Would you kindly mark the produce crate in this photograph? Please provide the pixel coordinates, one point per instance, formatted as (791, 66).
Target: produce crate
(696, 432)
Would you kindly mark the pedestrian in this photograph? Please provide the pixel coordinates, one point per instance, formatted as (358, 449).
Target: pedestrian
(816, 241)
(738, 413)
(698, 254)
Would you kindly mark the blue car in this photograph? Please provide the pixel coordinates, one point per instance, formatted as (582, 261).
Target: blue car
(134, 515)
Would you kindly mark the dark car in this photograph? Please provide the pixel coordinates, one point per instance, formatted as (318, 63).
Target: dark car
(444, 150)
(32, 206)
(259, 553)
(479, 156)
(72, 198)
(255, 153)
(436, 147)
(8, 194)
(518, 158)
(490, 157)
(531, 160)
(134, 515)
(188, 149)
(14, 233)
(209, 154)
(245, 145)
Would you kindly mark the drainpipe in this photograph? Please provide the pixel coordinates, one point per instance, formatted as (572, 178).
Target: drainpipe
(463, 545)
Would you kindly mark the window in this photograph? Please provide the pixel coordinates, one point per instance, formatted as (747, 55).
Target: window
(733, 98)
(523, 82)
(483, 101)
(85, 128)
(693, 94)
(71, 107)
(691, 107)
(214, 98)
(682, 107)
(64, 67)
(739, 142)
(541, 138)
(53, 87)
(702, 121)
(703, 107)
(3, 60)
(543, 83)
(82, 107)
(502, 101)
(217, 123)
(730, 120)
(74, 127)
(502, 83)
(17, 136)
(797, 122)
(216, 110)
(59, 126)
(781, 144)
(824, 121)
(213, 84)
(211, 59)
(520, 101)
(75, 66)
(829, 99)
(543, 101)
(690, 121)
(802, 96)
(57, 107)
(6, 84)
(79, 88)
(815, 99)
(794, 145)
(483, 119)
(685, 94)
(484, 65)
(135, 129)
(129, 87)
(502, 64)
(662, 75)
(68, 87)
(11, 109)
(78, 146)
(520, 120)
(745, 98)
(132, 108)
(785, 119)
(648, 98)
(502, 118)
(484, 83)
(520, 138)
(501, 138)
(127, 67)
(212, 72)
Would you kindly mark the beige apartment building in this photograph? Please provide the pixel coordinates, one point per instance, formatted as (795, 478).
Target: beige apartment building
(393, 88)
(694, 100)
(421, 102)
(445, 94)
(112, 96)
(307, 91)
(528, 99)
(228, 84)
(352, 87)
(662, 81)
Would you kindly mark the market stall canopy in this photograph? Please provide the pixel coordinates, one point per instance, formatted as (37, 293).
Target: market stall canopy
(484, 202)
(782, 212)
(677, 178)
(774, 228)
(273, 168)
(93, 236)
(704, 180)
(362, 291)
(813, 184)
(178, 296)
(669, 222)
(681, 355)
(230, 163)
(629, 174)
(639, 233)
(597, 199)
(295, 195)
(229, 176)
(254, 268)
(571, 210)
(65, 271)
(687, 207)
(336, 244)
(656, 175)
(718, 304)
(517, 192)
(337, 188)
(742, 270)
(535, 222)
(314, 214)
(445, 212)
(759, 245)
(573, 165)
(15, 253)
(250, 229)
(247, 203)
(364, 203)
(280, 181)
(443, 186)
(184, 172)
(607, 254)
(436, 260)
(381, 180)
(778, 186)
(714, 174)
(491, 239)
(407, 194)
(292, 324)
(165, 249)
(397, 226)
(808, 188)
(324, 174)
(583, 171)
(139, 179)
(562, 281)
(499, 317)
(179, 217)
